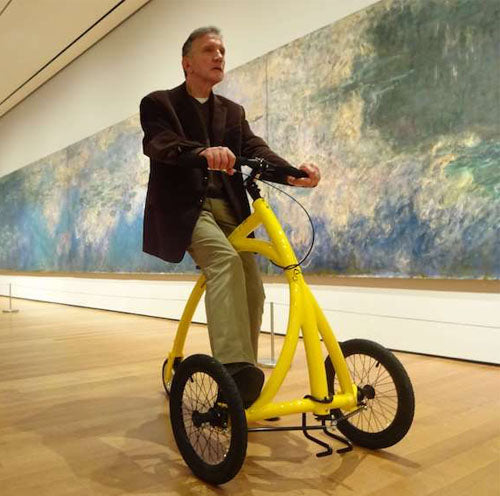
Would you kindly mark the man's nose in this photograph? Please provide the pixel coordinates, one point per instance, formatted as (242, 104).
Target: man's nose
(219, 55)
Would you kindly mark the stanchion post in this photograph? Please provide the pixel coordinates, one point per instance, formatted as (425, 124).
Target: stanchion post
(270, 362)
(10, 310)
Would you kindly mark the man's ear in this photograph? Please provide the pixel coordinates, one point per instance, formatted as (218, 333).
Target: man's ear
(186, 64)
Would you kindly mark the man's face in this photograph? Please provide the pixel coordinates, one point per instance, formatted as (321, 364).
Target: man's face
(205, 62)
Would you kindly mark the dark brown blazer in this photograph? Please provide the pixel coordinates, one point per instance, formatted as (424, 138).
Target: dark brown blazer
(173, 135)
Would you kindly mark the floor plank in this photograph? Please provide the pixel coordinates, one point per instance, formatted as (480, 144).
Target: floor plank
(83, 413)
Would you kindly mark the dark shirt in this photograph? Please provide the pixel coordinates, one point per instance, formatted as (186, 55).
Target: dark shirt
(215, 186)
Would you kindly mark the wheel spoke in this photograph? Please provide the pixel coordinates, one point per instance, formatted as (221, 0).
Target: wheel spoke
(388, 395)
(365, 370)
(371, 367)
(386, 406)
(378, 422)
(209, 442)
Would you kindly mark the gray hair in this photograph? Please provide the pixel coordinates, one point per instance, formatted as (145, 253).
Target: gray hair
(198, 33)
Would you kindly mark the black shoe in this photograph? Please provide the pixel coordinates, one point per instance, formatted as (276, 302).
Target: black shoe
(249, 379)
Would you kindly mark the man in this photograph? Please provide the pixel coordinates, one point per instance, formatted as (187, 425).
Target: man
(194, 209)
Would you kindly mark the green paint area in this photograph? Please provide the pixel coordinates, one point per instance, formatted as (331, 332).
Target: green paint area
(481, 164)
(435, 71)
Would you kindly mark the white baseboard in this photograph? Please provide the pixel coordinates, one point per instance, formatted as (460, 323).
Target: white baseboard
(450, 324)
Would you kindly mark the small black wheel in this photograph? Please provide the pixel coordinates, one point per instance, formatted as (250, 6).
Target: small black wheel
(208, 419)
(167, 385)
(387, 393)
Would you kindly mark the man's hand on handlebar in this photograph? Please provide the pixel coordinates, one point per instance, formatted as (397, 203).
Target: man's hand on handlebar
(312, 179)
(219, 158)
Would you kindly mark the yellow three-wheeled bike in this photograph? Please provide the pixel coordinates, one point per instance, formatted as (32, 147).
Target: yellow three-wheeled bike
(361, 389)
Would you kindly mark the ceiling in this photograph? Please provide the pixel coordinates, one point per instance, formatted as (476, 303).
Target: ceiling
(38, 38)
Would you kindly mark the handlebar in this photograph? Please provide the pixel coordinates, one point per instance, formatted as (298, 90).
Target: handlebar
(260, 166)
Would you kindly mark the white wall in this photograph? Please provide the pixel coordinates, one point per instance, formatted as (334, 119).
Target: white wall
(104, 86)
(450, 324)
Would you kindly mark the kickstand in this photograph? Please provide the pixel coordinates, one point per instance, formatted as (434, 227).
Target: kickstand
(328, 450)
(338, 438)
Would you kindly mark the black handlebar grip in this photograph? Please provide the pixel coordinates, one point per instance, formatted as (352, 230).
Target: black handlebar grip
(249, 162)
(292, 171)
(268, 167)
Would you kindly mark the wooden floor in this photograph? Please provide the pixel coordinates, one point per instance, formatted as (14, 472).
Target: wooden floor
(82, 412)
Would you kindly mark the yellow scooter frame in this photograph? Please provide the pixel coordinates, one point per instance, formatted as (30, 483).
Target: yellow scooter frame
(304, 314)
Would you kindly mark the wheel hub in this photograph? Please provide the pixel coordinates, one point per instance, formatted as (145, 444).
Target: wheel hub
(216, 417)
(368, 392)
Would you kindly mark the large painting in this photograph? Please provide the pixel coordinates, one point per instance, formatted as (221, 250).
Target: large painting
(398, 104)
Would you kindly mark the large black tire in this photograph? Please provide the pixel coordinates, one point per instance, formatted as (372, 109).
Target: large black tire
(208, 419)
(389, 395)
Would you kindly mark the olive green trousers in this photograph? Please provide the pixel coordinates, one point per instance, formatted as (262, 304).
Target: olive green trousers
(234, 298)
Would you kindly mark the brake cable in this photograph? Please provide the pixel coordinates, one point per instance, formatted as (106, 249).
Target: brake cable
(304, 258)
